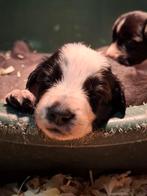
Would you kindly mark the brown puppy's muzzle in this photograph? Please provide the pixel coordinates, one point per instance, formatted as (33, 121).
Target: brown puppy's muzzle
(113, 51)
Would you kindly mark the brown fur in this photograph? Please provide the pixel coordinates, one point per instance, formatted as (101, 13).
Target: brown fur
(129, 38)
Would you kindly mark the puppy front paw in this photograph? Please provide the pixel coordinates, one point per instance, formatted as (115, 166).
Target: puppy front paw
(23, 100)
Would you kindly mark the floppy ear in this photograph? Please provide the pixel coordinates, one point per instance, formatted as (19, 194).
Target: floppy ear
(106, 96)
(118, 97)
(113, 92)
(45, 74)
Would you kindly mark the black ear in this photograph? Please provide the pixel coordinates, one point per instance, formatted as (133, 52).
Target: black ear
(118, 97)
(105, 95)
(45, 74)
(113, 93)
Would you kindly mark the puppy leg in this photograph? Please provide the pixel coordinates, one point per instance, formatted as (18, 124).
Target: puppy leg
(23, 100)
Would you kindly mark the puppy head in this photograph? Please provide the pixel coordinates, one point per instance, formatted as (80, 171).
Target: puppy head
(129, 39)
(76, 90)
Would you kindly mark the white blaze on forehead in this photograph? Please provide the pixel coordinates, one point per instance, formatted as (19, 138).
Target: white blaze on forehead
(120, 24)
(78, 62)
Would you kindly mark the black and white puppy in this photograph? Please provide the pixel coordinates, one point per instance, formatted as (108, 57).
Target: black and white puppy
(73, 92)
(129, 38)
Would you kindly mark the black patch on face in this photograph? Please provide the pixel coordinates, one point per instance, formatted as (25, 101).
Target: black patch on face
(44, 76)
(105, 96)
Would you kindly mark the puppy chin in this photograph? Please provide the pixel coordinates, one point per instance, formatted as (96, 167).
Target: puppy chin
(73, 131)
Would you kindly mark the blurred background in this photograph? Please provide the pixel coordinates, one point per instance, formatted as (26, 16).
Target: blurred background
(47, 24)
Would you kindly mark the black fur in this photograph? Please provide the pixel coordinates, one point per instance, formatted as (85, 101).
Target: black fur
(105, 95)
(103, 89)
(44, 76)
(133, 51)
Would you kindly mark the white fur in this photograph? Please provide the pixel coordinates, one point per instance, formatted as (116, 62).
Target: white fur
(120, 24)
(77, 63)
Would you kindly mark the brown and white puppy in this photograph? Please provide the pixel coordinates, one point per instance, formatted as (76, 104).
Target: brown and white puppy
(73, 92)
(129, 38)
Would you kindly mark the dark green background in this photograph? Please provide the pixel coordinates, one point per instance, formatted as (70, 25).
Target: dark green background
(47, 24)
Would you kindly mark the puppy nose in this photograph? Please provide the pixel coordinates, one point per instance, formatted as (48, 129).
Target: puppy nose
(59, 116)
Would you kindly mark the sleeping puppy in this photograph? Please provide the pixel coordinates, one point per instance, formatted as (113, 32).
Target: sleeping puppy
(129, 38)
(72, 92)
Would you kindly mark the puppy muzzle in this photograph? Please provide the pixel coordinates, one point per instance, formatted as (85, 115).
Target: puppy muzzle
(59, 116)
(113, 51)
